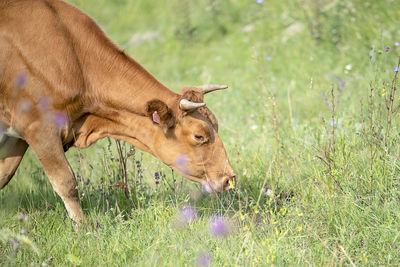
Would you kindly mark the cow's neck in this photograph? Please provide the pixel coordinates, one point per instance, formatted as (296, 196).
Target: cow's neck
(118, 91)
(120, 83)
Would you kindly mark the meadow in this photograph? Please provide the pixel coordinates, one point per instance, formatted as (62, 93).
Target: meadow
(310, 123)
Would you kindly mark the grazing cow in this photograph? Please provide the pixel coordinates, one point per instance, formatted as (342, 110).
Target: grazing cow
(63, 83)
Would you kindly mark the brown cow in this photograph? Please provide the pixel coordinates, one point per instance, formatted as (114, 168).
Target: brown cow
(63, 83)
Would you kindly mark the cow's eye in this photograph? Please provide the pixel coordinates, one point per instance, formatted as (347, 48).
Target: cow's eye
(199, 138)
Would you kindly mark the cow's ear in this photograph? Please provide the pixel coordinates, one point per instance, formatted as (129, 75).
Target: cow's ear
(160, 114)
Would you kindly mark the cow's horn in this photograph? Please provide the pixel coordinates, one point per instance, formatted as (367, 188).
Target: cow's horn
(211, 87)
(187, 105)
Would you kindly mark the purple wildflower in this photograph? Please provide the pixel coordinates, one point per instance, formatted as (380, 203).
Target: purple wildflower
(396, 44)
(260, 1)
(333, 123)
(157, 177)
(219, 226)
(60, 119)
(14, 244)
(181, 162)
(44, 102)
(20, 80)
(204, 259)
(396, 68)
(342, 85)
(268, 58)
(187, 213)
(387, 48)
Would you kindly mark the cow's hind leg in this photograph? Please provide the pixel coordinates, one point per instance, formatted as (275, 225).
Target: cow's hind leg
(12, 150)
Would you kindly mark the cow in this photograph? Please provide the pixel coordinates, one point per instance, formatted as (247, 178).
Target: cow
(63, 83)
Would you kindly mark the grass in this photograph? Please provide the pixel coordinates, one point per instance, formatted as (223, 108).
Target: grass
(310, 124)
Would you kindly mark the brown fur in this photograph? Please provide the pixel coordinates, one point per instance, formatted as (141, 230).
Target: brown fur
(192, 94)
(63, 83)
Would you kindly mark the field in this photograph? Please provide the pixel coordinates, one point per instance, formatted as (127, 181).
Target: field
(310, 123)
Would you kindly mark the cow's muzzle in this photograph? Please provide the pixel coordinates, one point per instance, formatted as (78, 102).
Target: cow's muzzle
(226, 183)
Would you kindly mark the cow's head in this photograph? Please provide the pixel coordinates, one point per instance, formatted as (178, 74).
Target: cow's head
(188, 140)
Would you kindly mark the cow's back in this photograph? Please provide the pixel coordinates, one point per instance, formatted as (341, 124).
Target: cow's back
(36, 48)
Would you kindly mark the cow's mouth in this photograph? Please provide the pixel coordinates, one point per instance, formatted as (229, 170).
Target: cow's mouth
(212, 188)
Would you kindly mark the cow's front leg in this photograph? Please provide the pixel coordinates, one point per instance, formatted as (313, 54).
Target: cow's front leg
(51, 155)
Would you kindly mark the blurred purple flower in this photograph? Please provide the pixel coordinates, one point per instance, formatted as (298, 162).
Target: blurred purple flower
(260, 1)
(219, 226)
(60, 119)
(187, 213)
(181, 162)
(333, 123)
(268, 58)
(20, 80)
(396, 44)
(387, 48)
(44, 102)
(396, 68)
(340, 82)
(14, 244)
(204, 259)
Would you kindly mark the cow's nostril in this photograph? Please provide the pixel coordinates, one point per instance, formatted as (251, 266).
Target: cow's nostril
(229, 182)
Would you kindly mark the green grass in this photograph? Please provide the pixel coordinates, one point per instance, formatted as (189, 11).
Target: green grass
(335, 194)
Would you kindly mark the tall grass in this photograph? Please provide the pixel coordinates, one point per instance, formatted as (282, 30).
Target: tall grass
(310, 123)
